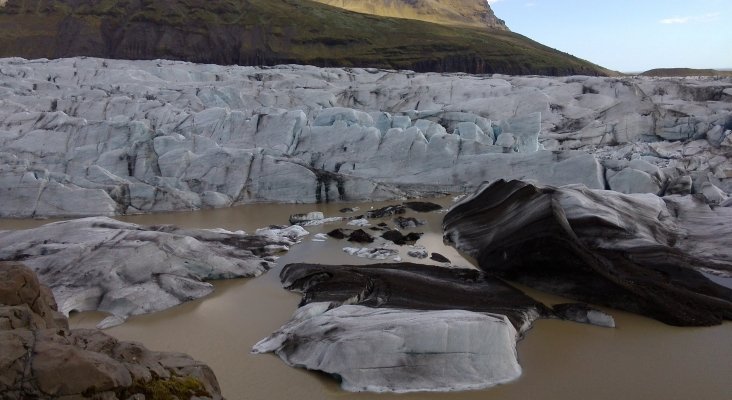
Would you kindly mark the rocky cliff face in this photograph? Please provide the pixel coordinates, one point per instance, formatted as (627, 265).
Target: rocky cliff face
(264, 32)
(473, 13)
(42, 359)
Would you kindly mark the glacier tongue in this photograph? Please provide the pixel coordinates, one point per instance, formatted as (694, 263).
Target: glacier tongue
(87, 136)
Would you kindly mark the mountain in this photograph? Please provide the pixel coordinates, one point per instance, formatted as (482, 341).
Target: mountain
(684, 72)
(473, 13)
(268, 32)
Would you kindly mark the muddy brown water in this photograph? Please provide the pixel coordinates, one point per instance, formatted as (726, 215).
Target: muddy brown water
(640, 359)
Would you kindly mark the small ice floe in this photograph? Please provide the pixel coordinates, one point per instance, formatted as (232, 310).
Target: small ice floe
(320, 237)
(377, 253)
(418, 252)
(303, 218)
(322, 221)
(225, 231)
(293, 232)
(359, 222)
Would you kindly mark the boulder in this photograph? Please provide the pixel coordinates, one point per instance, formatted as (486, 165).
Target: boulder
(400, 239)
(360, 236)
(422, 206)
(439, 258)
(46, 360)
(19, 287)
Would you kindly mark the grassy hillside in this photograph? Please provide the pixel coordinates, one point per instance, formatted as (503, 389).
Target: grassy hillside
(266, 32)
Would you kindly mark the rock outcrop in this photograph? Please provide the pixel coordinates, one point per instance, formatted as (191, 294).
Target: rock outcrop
(25, 303)
(41, 358)
(404, 327)
(640, 253)
(473, 13)
(102, 137)
(126, 269)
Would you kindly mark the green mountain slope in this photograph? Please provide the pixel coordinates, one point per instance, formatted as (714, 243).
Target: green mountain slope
(267, 32)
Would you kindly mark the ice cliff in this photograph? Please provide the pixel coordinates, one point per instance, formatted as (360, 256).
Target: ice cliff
(88, 136)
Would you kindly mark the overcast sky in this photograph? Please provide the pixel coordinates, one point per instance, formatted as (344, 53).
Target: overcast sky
(628, 35)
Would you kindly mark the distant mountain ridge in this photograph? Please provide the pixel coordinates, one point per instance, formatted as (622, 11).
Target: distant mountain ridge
(683, 72)
(473, 13)
(268, 32)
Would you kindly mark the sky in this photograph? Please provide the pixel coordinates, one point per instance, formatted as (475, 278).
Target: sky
(628, 35)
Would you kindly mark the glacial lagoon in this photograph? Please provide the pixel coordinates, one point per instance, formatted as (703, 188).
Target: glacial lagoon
(641, 358)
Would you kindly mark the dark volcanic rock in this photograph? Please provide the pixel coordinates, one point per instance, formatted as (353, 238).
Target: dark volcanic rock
(387, 211)
(439, 258)
(32, 304)
(357, 236)
(401, 239)
(639, 253)
(338, 233)
(40, 358)
(422, 206)
(408, 222)
(412, 237)
(411, 286)
(360, 236)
